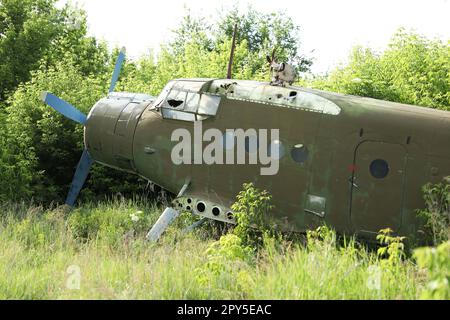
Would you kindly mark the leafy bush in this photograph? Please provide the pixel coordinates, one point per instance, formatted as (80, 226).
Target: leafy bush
(413, 70)
(252, 209)
(392, 249)
(228, 265)
(436, 263)
(42, 148)
(229, 257)
(437, 211)
(220, 254)
(37, 31)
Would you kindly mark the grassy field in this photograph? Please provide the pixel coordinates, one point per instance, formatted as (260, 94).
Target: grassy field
(99, 252)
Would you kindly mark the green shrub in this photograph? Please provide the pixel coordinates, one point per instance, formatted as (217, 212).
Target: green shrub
(413, 70)
(229, 258)
(252, 209)
(437, 211)
(35, 32)
(227, 249)
(436, 264)
(42, 148)
(392, 250)
(228, 265)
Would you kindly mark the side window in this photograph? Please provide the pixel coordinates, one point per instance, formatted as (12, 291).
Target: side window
(192, 102)
(379, 169)
(173, 106)
(189, 106)
(162, 97)
(176, 100)
(208, 105)
(177, 115)
(300, 153)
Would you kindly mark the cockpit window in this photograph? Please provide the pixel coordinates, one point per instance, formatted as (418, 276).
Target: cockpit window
(175, 103)
(179, 102)
(192, 102)
(163, 95)
(177, 115)
(176, 99)
(208, 105)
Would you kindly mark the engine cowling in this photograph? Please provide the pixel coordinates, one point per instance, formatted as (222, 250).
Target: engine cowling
(110, 128)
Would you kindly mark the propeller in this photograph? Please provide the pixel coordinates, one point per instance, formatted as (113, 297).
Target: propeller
(117, 69)
(72, 113)
(66, 109)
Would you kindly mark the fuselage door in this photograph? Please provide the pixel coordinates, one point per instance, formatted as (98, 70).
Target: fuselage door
(377, 186)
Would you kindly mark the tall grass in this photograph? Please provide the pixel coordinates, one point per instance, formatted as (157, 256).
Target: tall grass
(40, 249)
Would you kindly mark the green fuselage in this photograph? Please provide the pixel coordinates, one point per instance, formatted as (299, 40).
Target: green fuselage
(356, 164)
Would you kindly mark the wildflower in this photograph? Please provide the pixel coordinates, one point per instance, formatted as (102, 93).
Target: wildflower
(135, 217)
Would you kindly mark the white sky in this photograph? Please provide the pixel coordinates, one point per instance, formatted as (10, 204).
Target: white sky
(330, 28)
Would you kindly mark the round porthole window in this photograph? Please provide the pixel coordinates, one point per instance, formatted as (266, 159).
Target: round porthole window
(379, 169)
(276, 150)
(300, 153)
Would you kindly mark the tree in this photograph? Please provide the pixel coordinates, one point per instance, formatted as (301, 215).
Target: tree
(50, 47)
(263, 33)
(413, 70)
(191, 29)
(35, 30)
(201, 50)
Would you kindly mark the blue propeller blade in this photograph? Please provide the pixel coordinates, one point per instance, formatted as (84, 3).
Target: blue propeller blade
(63, 107)
(80, 177)
(117, 70)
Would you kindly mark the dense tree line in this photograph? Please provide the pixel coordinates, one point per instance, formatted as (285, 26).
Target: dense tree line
(413, 70)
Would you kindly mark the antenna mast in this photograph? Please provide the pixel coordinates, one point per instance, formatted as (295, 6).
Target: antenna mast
(233, 48)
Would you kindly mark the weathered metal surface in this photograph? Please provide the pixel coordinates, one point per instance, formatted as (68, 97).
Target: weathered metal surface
(375, 179)
(131, 97)
(329, 144)
(204, 208)
(277, 96)
(110, 129)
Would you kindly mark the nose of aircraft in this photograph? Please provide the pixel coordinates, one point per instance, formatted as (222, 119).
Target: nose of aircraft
(110, 129)
(124, 132)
